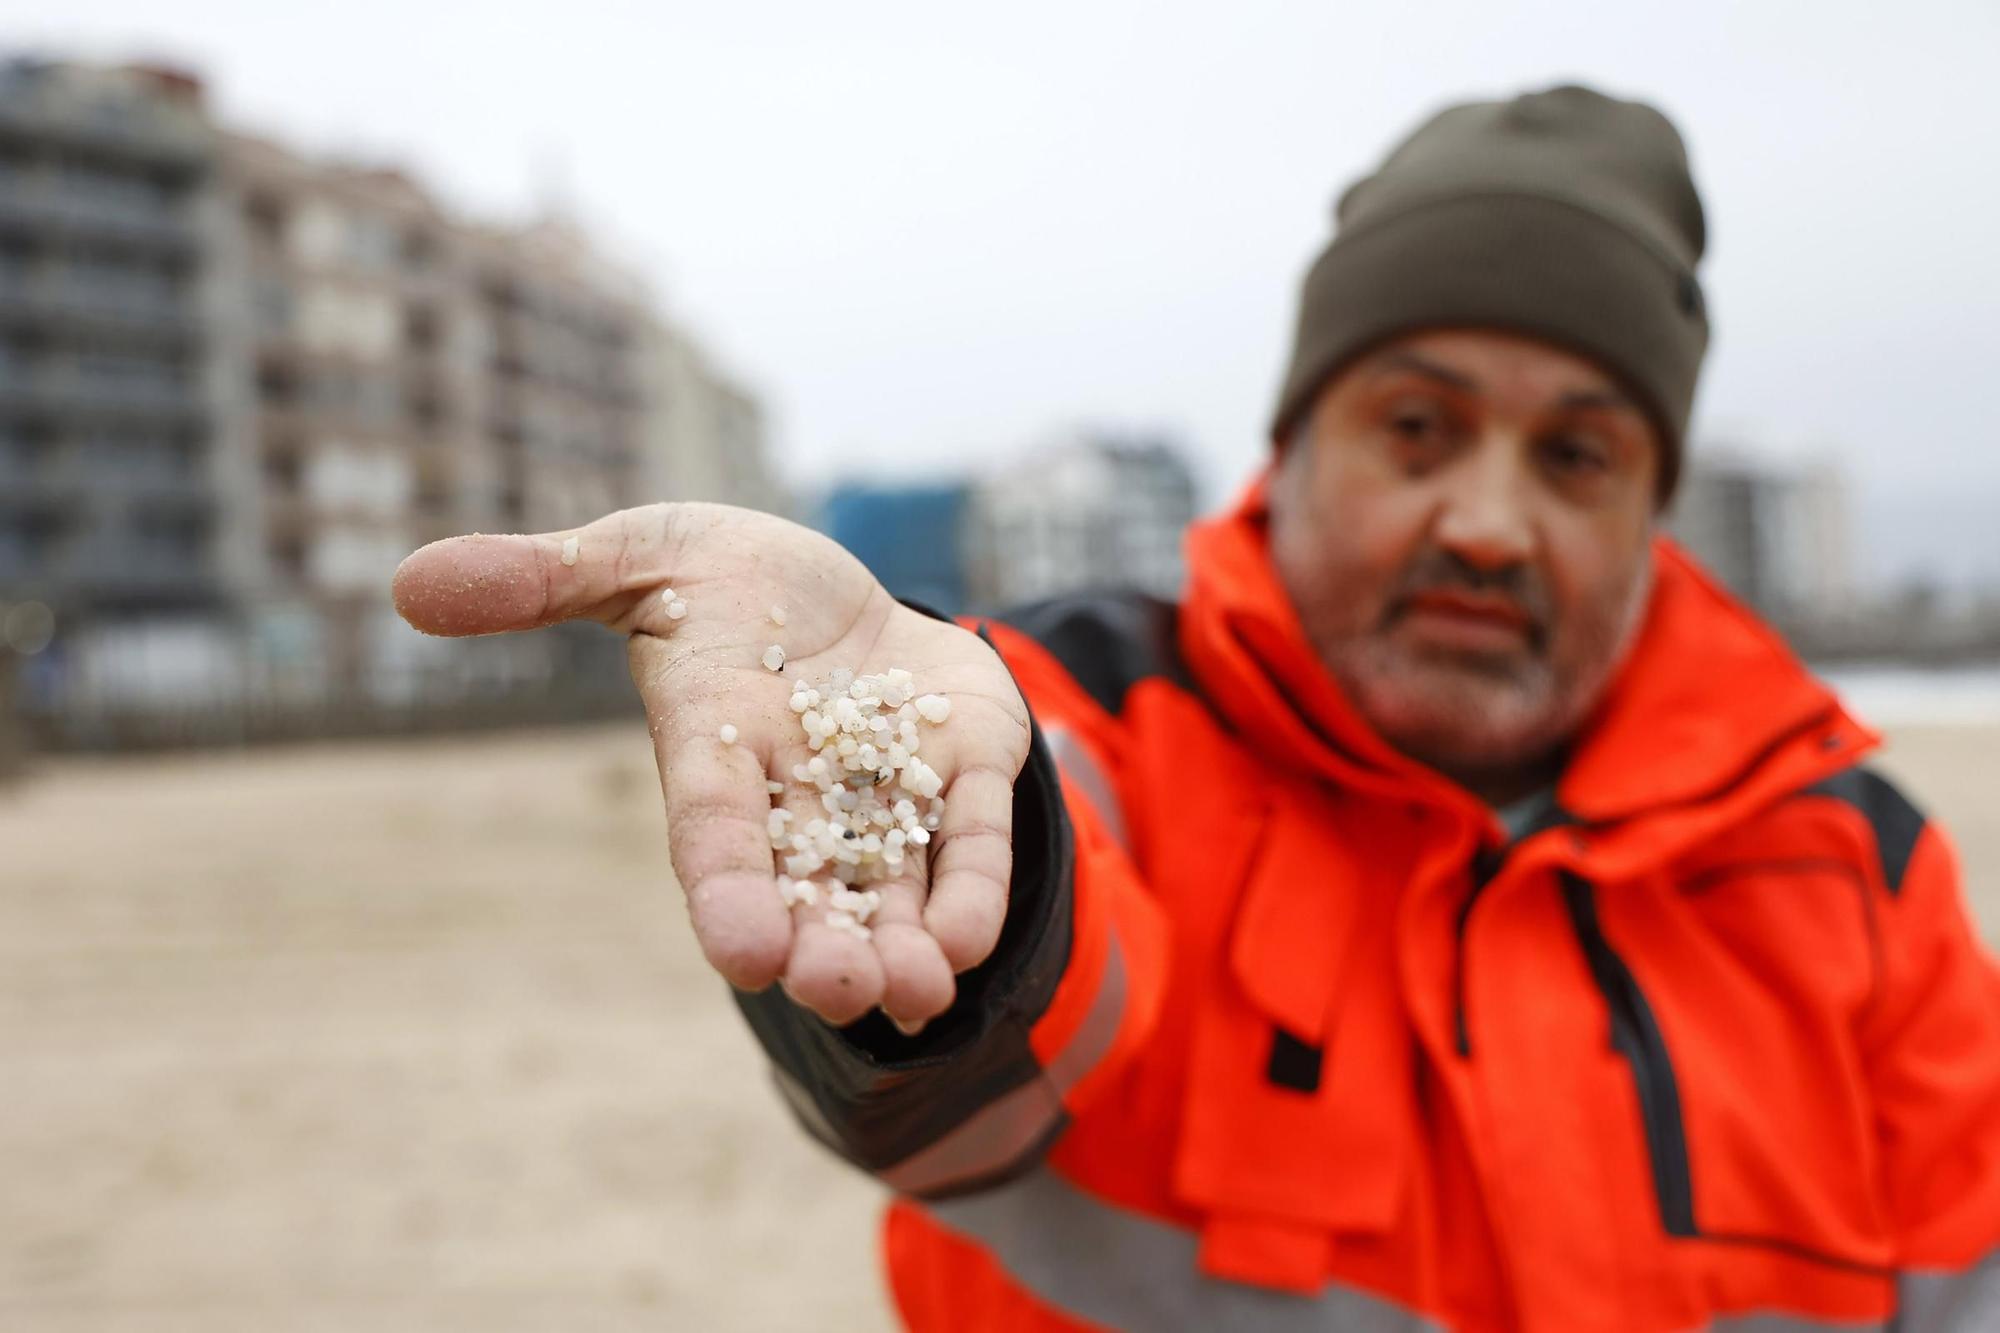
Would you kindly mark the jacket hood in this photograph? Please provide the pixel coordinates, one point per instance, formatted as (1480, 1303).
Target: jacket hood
(1709, 714)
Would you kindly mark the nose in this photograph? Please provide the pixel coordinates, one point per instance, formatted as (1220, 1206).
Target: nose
(1484, 515)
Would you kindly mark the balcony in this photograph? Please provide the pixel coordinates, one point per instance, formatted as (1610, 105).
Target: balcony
(129, 574)
(37, 207)
(155, 136)
(74, 484)
(44, 303)
(48, 395)
(157, 490)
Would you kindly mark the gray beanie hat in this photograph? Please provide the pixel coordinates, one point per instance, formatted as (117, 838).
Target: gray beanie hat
(1564, 215)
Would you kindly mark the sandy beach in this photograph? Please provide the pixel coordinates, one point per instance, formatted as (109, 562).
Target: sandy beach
(412, 1036)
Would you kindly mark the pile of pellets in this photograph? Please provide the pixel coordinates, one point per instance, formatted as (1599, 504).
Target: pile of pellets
(864, 733)
(879, 802)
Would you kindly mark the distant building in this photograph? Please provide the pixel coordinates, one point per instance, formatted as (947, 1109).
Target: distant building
(1095, 510)
(238, 384)
(406, 378)
(111, 481)
(911, 538)
(1777, 535)
(704, 431)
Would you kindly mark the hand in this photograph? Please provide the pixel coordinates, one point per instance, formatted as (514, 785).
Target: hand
(942, 912)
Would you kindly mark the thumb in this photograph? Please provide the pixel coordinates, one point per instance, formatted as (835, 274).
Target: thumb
(489, 584)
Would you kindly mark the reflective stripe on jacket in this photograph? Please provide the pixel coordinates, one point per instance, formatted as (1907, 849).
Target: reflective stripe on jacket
(1284, 1034)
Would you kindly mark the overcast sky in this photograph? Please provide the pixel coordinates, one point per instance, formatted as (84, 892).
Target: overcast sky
(936, 232)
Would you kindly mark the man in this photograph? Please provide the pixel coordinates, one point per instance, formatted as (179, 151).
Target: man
(1456, 913)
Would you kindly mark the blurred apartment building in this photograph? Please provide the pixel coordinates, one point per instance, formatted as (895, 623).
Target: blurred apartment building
(1091, 509)
(107, 459)
(1776, 534)
(238, 383)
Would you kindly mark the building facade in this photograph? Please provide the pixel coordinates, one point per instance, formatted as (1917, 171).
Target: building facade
(238, 383)
(1776, 534)
(1090, 511)
(111, 483)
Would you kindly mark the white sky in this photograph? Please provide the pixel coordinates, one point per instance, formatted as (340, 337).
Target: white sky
(945, 230)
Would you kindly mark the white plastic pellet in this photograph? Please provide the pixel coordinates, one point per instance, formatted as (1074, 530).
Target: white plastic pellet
(676, 609)
(728, 733)
(848, 925)
(776, 788)
(778, 616)
(570, 545)
(879, 799)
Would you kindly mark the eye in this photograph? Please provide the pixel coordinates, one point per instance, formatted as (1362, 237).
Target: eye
(1576, 455)
(1416, 425)
(1419, 432)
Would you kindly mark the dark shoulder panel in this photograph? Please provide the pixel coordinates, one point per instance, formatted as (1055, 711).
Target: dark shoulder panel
(1896, 822)
(1108, 641)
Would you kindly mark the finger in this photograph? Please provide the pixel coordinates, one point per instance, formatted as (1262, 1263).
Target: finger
(718, 834)
(917, 982)
(835, 974)
(489, 584)
(972, 860)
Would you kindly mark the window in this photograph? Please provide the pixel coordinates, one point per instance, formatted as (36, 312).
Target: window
(265, 216)
(372, 242)
(271, 307)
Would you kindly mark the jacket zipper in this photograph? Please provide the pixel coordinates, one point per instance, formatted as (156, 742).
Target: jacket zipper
(1635, 1035)
(1486, 863)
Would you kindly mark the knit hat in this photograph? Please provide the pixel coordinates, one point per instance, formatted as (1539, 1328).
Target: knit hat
(1564, 215)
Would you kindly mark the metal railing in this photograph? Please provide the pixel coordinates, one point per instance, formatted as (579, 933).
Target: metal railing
(42, 206)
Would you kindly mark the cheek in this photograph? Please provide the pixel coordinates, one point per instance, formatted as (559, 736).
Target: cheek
(1593, 569)
(1363, 535)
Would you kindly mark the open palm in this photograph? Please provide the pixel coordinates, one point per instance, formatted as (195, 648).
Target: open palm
(701, 666)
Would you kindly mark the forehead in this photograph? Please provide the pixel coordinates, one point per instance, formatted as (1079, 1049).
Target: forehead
(1507, 368)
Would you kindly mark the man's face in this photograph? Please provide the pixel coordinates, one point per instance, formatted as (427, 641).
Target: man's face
(1463, 523)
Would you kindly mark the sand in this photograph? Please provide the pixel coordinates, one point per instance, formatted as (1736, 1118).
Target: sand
(412, 1036)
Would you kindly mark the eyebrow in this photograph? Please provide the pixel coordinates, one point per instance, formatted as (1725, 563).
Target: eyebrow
(1576, 398)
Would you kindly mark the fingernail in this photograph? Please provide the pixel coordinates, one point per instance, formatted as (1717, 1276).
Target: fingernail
(908, 1029)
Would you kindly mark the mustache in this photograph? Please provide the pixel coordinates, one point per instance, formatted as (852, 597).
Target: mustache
(1435, 570)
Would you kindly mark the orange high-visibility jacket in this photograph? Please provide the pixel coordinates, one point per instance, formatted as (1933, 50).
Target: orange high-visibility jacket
(1283, 1033)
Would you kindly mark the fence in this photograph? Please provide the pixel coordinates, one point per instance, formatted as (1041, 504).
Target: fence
(232, 693)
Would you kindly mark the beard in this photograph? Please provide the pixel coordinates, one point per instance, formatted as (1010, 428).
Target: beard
(1474, 714)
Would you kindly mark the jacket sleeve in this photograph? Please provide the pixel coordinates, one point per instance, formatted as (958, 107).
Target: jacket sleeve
(1932, 1051)
(1070, 991)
